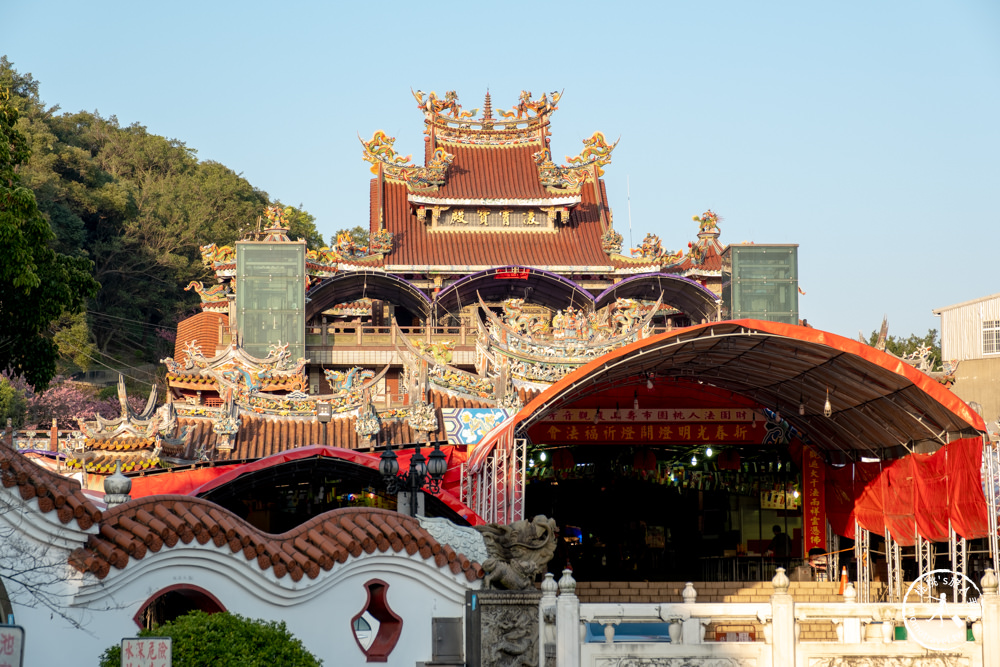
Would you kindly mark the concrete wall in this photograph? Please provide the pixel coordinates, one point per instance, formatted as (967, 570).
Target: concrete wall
(979, 380)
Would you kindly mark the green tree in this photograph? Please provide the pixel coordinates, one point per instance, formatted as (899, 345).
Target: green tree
(302, 225)
(139, 206)
(913, 345)
(13, 402)
(359, 235)
(37, 284)
(225, 640)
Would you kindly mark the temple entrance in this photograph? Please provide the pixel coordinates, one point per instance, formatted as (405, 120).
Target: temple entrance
(650, 514)
(280, 497)
(893, 461)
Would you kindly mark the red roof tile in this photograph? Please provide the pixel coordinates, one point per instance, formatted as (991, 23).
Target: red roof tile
(494, 172)
(52, 491)
(577, 243)
(132, 530)
(261, 436)
(203, 328)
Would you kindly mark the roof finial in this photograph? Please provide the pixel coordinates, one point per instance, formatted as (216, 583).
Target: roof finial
(487, 107)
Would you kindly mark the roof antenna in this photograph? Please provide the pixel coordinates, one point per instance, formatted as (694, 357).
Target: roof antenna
(628, 200)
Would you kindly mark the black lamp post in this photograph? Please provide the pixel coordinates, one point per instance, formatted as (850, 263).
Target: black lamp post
(323, 413)
(422, 473)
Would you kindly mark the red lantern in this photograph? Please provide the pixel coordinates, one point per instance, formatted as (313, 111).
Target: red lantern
(562, 462)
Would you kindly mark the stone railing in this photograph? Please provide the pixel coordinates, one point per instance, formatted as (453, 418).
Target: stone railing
(50, 439)
(604, 634)
(353, 334)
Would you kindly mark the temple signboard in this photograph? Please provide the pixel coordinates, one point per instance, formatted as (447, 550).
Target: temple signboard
(633, 415)
(733, 426)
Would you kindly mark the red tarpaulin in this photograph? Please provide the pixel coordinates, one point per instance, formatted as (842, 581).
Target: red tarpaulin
(931, 510)
(198, 481)
(869, 496)
(965, 488)
(899, 500)
(917, 493)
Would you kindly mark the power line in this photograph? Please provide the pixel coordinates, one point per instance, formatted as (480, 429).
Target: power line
(112, 368)
(126, 319)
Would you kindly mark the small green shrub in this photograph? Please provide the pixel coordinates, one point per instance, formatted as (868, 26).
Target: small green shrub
(225, 640)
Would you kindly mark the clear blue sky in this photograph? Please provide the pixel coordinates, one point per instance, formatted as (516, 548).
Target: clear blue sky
(866, 132)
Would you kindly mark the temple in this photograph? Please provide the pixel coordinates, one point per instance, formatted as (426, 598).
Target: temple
(667, 408)
(489, 273)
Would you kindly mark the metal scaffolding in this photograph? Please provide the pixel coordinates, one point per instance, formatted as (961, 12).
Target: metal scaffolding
(925, 563)
(497, 492)
(992, 465)
(862, 555)
(833, 560)
(959, 557)
(894, 569)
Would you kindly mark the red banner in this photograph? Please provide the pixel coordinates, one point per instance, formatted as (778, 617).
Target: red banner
(512, 275)
(813, 501)
(648, 433)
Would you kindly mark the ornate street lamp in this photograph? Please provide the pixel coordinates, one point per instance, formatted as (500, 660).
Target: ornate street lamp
(323, 413)
(422, 473)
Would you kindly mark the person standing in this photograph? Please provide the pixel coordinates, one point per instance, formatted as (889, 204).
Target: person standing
(781, 544)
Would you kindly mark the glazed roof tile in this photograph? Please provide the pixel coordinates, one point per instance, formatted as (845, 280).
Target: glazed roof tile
(495, 172)
(53, 492)
(261, 436)
(132, 530)
(577, 243)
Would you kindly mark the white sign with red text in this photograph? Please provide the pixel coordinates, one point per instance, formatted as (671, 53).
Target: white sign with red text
(11, 646)
(146, 652)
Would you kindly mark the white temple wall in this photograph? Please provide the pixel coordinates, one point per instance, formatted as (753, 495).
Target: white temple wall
(319, 611)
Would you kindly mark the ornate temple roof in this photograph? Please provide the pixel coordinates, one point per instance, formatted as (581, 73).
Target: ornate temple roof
(492, 180)
(576, 244)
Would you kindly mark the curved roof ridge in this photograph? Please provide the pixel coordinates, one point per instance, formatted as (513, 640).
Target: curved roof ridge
(130, 531)
(52, 491)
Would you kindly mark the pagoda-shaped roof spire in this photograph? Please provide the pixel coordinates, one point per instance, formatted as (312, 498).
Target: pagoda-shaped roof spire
(487, 107)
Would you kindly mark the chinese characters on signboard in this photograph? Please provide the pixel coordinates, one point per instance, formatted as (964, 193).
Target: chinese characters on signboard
(11, 646)
(146, 652)
(649, 426)
(813, 500)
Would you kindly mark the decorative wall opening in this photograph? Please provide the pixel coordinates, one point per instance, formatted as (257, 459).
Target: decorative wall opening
(378, 619)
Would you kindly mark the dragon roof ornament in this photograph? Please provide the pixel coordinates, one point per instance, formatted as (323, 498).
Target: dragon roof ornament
(214, 298)
(379, 152)
(576, 338)
(651, 249)
(436, 358)
(591, 160)
(133, 440)
(527, 122)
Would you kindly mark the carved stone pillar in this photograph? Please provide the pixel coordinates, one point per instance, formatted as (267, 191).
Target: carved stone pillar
(991, 619)
(567, 623)
(782, 621)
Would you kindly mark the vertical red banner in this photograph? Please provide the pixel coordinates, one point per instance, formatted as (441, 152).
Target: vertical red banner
(813, 501)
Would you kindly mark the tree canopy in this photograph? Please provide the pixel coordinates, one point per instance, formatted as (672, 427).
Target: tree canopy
(37, 284)
(904, 347)
(119, 206)
(225, 640)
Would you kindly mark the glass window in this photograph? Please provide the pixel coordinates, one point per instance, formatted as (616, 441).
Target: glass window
(991, 337)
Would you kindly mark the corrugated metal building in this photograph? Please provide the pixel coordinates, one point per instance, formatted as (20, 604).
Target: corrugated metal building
(970, 335)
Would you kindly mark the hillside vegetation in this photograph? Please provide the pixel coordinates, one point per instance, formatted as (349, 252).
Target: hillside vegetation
(124, 211)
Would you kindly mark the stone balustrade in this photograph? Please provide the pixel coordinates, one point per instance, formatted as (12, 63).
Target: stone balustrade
(767, 634)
